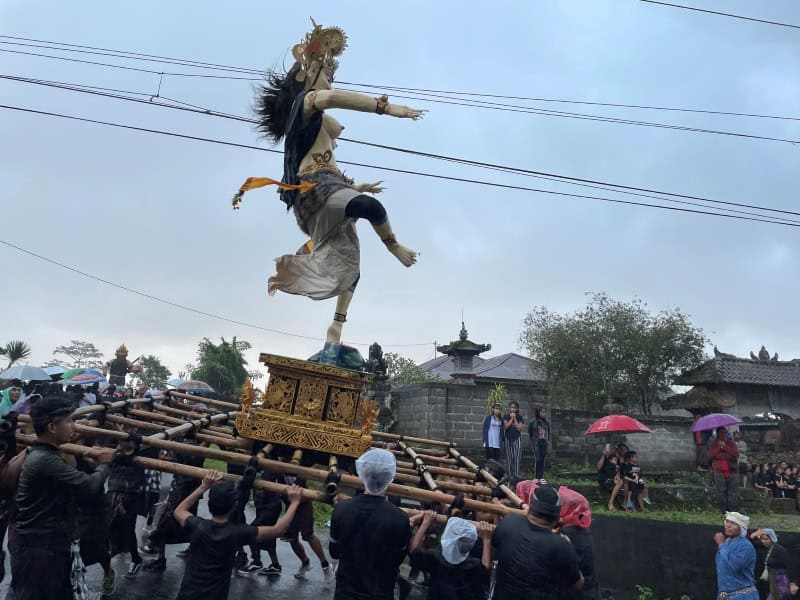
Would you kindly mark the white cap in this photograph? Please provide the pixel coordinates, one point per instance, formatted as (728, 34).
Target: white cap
(377, 469)
(458, 539)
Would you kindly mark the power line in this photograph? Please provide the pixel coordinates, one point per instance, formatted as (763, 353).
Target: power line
(592, 117)
(473, 104)
(177, 305)
(563, 101)
(606, 186)
(769, 220)
(128, 55)
(714, 12)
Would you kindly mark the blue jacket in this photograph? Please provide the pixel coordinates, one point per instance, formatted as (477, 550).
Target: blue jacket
(736, 560)
(486, 424)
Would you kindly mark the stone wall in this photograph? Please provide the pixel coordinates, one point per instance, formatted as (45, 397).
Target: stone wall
(752, 400)
(447, 411)
(670, 558)
(670, 444)
(453, 412)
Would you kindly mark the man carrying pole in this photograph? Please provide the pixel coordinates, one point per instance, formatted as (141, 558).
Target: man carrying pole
(48, 485)
(214, 542)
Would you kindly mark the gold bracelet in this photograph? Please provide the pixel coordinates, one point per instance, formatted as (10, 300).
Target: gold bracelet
(381, 105)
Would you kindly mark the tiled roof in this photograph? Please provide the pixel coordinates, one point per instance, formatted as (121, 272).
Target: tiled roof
(510, 366)
(743, 370)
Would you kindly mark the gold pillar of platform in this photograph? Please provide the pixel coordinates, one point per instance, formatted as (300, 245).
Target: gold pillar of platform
(311, 406)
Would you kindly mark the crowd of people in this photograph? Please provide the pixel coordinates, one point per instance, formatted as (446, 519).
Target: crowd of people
(65, 512)
(620, 475)
(502, 439)
(777, 480)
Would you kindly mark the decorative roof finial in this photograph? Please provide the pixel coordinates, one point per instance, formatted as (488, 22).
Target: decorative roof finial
(463, 333)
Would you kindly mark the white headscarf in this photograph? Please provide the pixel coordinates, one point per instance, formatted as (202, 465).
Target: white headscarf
(458, 539)
(743, 521)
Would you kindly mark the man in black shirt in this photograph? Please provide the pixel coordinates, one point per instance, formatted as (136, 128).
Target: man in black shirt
(533, 562)
(47, 490)
(369, 535)
(214, 542)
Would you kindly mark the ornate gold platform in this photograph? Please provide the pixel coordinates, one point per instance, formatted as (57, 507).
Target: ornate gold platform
(311, 406)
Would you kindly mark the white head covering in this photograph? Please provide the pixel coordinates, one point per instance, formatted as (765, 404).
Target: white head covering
(458, 539)
(377, 469)
(770, 533)
(743, 521)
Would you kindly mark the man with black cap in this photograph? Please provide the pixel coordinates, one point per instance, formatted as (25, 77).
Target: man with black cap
(214, 542)
(48, 486)
(532, 560)
(369, 535)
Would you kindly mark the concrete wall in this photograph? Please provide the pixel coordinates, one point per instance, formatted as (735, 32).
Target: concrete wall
(752, 399)
(455, 412)
(670, 444)
(670, 558)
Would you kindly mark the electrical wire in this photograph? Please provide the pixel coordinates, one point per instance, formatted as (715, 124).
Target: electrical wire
(714, 12)
(772, 221)
(131, 290)
(128, 55)
(547, 176)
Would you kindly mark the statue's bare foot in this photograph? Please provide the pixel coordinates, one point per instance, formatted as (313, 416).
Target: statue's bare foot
(406, 256)
(334, 335)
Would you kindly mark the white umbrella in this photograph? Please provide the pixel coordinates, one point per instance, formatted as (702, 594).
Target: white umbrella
(25, 373)
(175, 382)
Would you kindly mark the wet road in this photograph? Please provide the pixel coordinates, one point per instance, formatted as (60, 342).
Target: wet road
(165, 586)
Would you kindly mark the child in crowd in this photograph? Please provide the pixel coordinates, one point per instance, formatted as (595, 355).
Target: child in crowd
(635, 486)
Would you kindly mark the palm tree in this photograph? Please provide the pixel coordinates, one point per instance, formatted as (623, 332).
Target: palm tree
(14, 351)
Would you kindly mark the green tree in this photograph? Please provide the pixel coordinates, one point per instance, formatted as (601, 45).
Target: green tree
(611, 347)
(404, 371)
(153, 373)
(77, 354)
(222, 366)
(15, 351)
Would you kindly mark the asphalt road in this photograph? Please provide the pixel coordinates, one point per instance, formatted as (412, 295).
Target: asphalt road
(165, 585)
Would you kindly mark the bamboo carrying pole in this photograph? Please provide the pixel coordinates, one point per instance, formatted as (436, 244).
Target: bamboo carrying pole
(414, 440)
(420, 466)
(309, 473)
(206, 401)
(487, 476)
(199, 473)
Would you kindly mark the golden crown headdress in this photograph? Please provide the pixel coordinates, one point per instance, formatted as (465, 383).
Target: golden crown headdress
(122, 350)
(321, 44)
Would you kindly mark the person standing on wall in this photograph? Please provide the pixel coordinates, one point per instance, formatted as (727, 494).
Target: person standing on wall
(539, 432)
(723, 454)
(512, 426)
(493, 432)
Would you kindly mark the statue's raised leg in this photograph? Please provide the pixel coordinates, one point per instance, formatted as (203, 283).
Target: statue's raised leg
(367, 207)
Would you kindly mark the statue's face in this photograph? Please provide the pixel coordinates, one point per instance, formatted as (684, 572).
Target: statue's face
(319, 76)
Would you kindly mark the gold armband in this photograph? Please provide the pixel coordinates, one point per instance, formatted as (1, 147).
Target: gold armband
(381, 105)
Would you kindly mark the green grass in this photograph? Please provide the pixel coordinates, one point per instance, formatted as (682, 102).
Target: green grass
(322, 514)
(705, 517)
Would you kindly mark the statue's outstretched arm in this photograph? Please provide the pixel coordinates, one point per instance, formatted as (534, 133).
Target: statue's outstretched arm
(324, 99)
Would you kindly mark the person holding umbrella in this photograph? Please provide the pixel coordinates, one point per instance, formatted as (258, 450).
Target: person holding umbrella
(722, 453)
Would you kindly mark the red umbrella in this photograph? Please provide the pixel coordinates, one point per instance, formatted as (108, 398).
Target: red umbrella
(617, 424)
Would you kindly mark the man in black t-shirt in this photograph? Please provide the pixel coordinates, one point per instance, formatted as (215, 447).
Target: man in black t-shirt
(369, 535)
(214, 542)
(533, 562)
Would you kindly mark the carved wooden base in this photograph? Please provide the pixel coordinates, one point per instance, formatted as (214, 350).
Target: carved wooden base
(311, 406)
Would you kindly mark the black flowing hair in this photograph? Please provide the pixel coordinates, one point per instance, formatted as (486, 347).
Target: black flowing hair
(274, 101)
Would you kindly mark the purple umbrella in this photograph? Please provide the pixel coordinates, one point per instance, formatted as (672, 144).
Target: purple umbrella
(715, 420)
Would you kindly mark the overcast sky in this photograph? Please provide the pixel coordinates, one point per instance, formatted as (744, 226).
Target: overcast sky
(153, 213)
